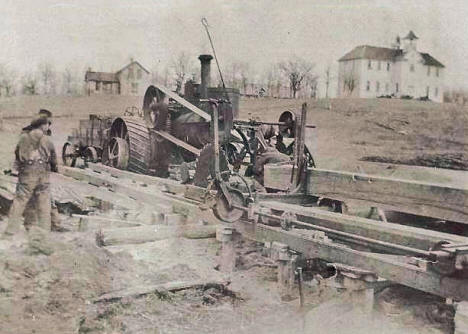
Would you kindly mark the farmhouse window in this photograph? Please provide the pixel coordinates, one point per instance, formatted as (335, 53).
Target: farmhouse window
(427, 91)
(386, 87)
(97, 85)
(388, 66)
(369, 65)
(428, 71)
(379, 65)
(368, 86)
(130, 73)
(396, 87)
(134, 88)
(377, 86)
(139, 74)
(437, 72)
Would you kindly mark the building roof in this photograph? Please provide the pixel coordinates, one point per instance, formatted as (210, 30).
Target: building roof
(430, 61)
(131, 63)
(372, 52)
(378, 53)
(101, 76)
(411, 35)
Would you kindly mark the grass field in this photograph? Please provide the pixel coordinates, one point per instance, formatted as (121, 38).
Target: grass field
(348, 130)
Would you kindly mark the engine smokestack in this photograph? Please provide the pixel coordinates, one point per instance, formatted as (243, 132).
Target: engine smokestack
(205, 74)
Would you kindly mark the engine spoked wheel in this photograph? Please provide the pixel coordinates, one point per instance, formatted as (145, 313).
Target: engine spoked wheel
(69, 154)
(118, 153)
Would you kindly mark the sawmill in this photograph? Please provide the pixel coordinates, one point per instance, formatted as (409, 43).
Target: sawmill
(261, 179)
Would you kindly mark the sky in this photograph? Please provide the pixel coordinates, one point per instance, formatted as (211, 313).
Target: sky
(106, 34)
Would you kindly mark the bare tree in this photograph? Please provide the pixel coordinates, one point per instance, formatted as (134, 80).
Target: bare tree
(70, 82)
(327, 80)
(296, 70)
(312, 82)
(48, 78)
(29, 84)
(350, 82)
(182, 66)
(7, 81)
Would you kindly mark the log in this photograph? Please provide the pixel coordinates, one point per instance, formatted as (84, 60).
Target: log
(415, 197)
(394, 233)
(160, 289)
(98, 222)
(142, 234)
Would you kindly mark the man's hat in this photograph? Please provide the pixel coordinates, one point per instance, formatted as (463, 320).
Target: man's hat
(45, 113)
(38, 122)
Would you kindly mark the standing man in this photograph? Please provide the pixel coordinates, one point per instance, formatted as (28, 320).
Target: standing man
(35, 158)
(30, 215)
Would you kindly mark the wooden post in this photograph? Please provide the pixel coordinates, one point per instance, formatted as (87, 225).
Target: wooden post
(286, 270)
(299, 144)
(227, 260)
(358, 285)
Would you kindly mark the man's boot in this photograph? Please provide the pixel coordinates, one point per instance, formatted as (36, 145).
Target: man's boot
(39, 241)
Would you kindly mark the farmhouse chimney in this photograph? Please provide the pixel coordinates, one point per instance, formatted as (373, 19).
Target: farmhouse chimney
(205, 74)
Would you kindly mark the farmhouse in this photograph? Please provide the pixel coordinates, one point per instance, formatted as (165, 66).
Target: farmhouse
(132, 79)
(369, 71)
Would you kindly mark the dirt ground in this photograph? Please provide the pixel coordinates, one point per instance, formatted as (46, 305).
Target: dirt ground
(54, 294)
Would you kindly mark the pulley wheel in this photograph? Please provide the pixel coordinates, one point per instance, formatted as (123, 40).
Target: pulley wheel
(155, 108)
(118, 153)
(226, 213)
(69, 154)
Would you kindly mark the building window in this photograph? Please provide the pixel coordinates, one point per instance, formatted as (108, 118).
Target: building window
(134, 88)
(369, 65)
(436, 91)
(386, 87)
(377, 86)
(396, 87)
(388, 66)
(379, 65)
(428, 71)
(130, 73)
(368, 86)
(437, 71)
(411, 68)
(139, 74)
(97, 85)
(427, 91)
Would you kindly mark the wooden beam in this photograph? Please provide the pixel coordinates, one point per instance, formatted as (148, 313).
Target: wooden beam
(420, 198)
(178, 142)
(394, 268)
(414, 197)
(184, 102)
(138, 192)
(142, 234)
(87, 190)
(388, 232)
(160, 289)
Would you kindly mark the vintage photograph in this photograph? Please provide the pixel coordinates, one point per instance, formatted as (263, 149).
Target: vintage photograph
(215, 166)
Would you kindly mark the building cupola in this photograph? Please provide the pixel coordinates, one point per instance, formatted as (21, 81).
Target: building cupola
(410, 41)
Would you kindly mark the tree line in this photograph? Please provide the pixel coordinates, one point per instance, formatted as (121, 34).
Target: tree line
(293, 77)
